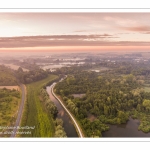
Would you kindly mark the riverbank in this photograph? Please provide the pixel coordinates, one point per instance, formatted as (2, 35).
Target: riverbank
(78, 128)
(62, 114)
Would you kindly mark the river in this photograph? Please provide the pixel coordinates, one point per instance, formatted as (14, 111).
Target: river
(130, 129)
(67, 122)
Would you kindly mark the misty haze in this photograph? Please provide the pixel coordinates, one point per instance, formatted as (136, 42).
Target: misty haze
(74, 75)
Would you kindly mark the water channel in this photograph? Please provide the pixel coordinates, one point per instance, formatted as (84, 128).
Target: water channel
(67, 122)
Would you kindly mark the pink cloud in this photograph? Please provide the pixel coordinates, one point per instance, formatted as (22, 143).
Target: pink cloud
(137, 28)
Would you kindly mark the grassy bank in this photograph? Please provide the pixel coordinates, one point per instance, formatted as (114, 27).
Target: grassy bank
(78, 122)
(35, 116)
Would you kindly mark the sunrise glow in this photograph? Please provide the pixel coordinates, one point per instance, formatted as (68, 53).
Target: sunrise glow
(74, 31)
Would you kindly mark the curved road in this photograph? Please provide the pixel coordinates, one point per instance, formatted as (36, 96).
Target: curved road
(20, 111)
(76, 124)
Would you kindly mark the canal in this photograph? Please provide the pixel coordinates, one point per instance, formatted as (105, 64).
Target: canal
(67, 122)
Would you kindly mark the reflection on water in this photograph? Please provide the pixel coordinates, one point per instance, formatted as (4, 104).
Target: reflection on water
(130, 129)
(61, 113)
(78, 95)
(59, 65)
(67, 123)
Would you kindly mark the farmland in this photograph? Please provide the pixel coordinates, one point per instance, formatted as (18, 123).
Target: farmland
(9, 104)
(10, 87)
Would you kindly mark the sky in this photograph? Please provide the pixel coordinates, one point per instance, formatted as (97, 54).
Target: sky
(74, 31)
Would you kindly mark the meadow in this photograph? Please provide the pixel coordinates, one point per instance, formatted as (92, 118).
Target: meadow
(35, 114)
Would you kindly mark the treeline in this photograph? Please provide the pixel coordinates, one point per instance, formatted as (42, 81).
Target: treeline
(34, 75)
(52, 111)
(119, 67)
(48, 104)
(27, 65)
(7, 77)
(30, 76)
(8, 93)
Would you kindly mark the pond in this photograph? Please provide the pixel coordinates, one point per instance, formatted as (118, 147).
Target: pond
(78, 95)
(130, 129)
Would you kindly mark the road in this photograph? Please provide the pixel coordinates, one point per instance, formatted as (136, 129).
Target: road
(20, 111)
(72, 118)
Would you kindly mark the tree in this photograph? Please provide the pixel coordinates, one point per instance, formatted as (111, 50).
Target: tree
(60, 132)
(122, 116)
(106, 109)
(58, 122)
(146, 104)
(20, 70)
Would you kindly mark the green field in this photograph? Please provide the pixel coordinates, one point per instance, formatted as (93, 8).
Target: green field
(9, 104)
(147, 89)
(34, 114)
